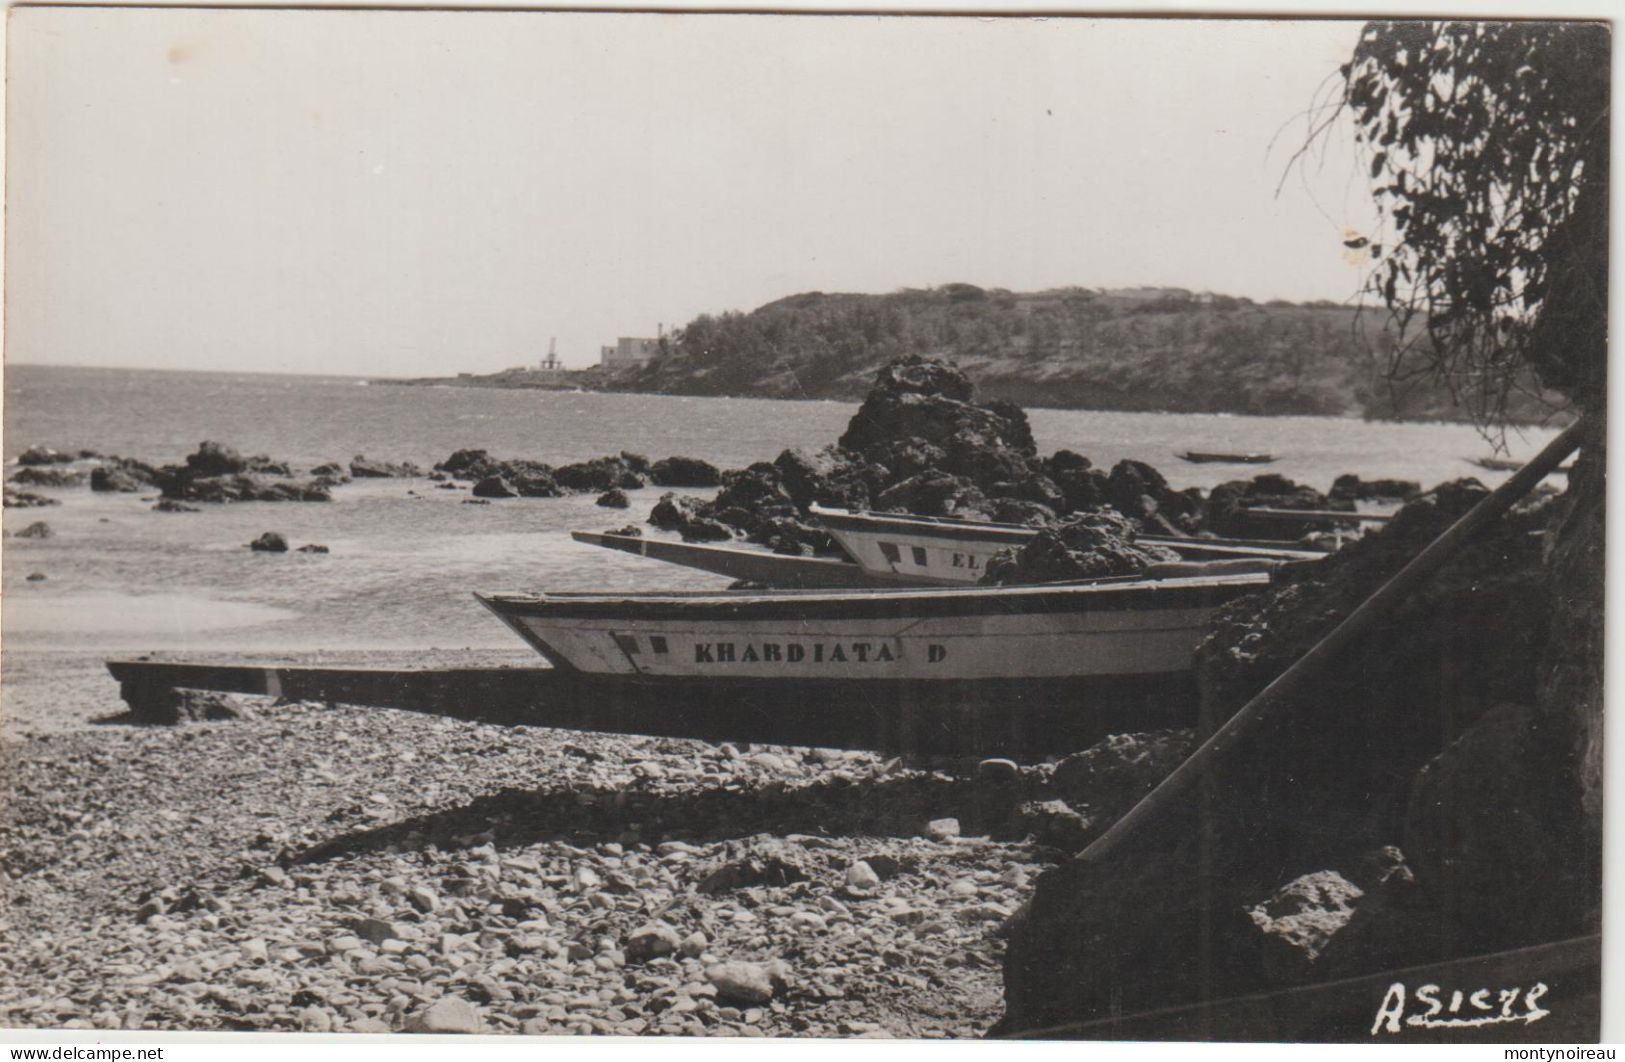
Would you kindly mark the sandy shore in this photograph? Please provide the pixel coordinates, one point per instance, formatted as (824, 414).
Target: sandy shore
(329, 868)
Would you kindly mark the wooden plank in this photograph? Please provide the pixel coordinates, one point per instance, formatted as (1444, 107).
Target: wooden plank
(1033, 718)
(1269, 513)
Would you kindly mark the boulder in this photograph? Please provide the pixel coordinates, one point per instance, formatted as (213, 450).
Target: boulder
(314, 547)
(684, 472)
(46, 476)
(599, 474)
(1227, 506)
(1081, 546)
(1301, 917)
(43, 455)
(930, 400)
(170, 505)
(269, 542)
(682, 514)
(653, 941)
(178, 484)
(745, 983)
(37, 529)
(614, 498)
(1350, 487)
(494, 487)
(468, 464)
(831, 477)
(935, 494)
(123, 475)
(448, 1014)
(361, 468)
(22, 499)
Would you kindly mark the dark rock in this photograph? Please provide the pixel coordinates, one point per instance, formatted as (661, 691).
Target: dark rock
(830, 477)
(269, 542)
(1055, 824)
(1082, 546)
(599, 474)
(930, 400)
(935, 494)
(22, 499)
(1301, 917)
(36, 577)
(43, 455)
(741, 982)
(170, 505)
(469, 464)
(773, 868)
(242, 487)
(329, 470)
(636, 462)
(361, 468)
(684, 472)
(1350, 487)
(1017, 511)
(1113, 774)
(214, 459)
(494, 487)
(1227, 506)
(36, 476)
(614, 498)
(630, 529)
(312, 547)
(682, 514)
(37, 529)
(123, 475)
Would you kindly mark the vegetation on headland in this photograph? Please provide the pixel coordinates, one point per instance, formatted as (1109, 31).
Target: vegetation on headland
(1152, 349)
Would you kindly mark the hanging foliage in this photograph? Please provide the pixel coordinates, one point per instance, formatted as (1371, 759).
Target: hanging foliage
(1488, 151)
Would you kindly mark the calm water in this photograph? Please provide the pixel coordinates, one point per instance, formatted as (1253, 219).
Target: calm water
(405, 556)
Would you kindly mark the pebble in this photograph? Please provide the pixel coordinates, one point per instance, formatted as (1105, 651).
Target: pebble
(942, 829)
(448, 1014)
(652, 941)
(741, 982)
(861, 875)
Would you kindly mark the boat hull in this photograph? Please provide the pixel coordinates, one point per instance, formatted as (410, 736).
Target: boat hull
(956, 552)
(1051, 632)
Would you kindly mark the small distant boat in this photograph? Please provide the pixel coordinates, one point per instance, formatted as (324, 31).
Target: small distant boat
(1202, 457)
(942, 550)
(1506, 464)
(1108, 628)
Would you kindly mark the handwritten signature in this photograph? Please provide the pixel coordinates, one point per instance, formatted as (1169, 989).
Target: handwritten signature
(1462, 1010)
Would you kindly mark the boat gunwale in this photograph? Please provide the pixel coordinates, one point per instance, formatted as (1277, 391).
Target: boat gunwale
(1127, 593)
(958, 527)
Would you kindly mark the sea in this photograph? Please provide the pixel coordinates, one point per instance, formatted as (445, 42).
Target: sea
(406, 557)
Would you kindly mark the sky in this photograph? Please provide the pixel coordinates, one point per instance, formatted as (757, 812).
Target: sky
(414, 193)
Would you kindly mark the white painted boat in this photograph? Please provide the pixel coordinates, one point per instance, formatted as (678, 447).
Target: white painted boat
(1131, 627)
(939, 550)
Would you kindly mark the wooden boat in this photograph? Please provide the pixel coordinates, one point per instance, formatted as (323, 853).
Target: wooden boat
(1506, 464)
(1113, 627)
(938, 550)
(1202, 457)
(748, 565)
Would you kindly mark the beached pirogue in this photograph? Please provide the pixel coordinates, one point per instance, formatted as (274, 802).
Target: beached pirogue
(984, 670)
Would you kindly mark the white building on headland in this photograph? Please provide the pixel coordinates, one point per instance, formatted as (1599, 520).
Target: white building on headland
(630, 352)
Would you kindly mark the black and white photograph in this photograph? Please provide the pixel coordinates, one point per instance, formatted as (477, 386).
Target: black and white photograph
(789, 524)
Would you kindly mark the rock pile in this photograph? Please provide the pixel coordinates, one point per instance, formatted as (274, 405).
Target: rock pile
(1357, 835)
(216, 473)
